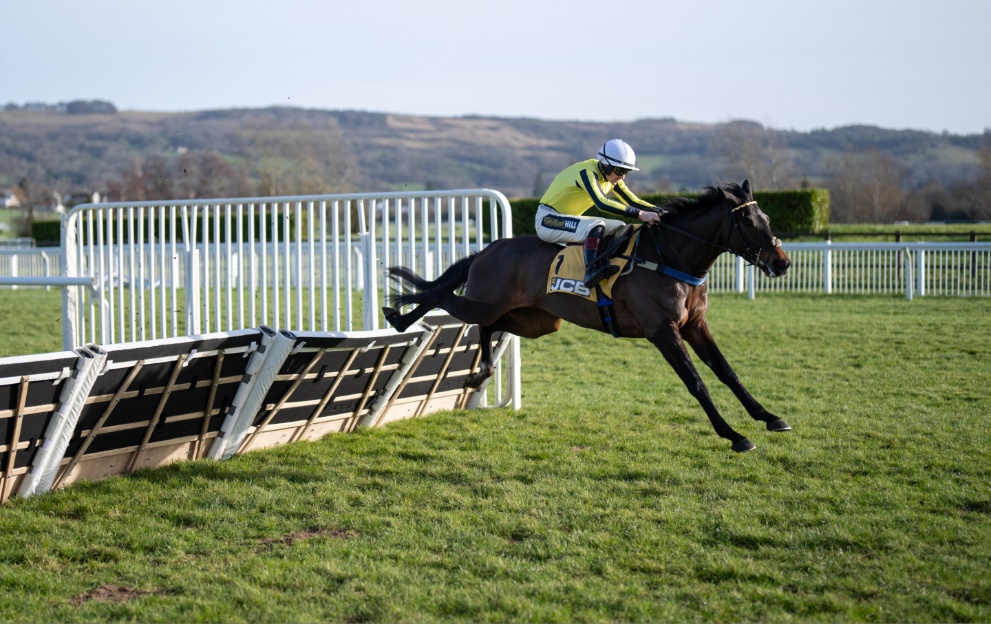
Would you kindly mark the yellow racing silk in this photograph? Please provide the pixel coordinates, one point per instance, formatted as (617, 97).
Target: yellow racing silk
(582, 186)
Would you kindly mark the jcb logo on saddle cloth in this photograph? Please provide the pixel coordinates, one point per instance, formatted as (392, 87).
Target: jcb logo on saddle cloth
(561, 284)
(567, 275)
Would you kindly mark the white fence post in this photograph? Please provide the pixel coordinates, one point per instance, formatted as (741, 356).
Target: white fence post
(46, 261)
(920, 271)
(367, 282)
(193, 291)
(827, 269)
(72, 328)
(908, 274)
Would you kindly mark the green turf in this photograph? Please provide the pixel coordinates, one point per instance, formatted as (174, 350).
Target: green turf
(607, 498)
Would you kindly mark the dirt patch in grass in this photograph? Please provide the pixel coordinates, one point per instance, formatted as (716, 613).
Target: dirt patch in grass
(292, 538)
(109, 593)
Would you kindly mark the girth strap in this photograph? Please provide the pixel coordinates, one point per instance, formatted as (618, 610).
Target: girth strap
(607, 312)
(681, 276)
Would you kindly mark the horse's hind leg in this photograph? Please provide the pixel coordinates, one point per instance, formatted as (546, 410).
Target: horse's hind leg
(669, 342)
(526, 322)
(486, 367)
(402, 322)
(701, 340)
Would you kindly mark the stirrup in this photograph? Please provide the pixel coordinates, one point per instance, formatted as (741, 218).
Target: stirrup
(596, 274)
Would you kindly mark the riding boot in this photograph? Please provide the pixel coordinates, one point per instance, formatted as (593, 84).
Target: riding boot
(596, 270)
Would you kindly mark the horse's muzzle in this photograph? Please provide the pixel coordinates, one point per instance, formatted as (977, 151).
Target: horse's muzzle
(776, 264)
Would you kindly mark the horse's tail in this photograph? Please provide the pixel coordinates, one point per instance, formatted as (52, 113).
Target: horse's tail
(453, 278)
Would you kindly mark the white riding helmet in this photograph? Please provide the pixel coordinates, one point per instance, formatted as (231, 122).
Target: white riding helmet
(617, 153)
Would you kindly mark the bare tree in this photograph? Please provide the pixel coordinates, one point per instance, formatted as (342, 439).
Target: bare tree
(866, 188)
(132, 185)
(754, 153)
(210, 175)
(157, 178)
(982, 204)
(191, 176)
(539, 186)
(299, 160)
(26, 201)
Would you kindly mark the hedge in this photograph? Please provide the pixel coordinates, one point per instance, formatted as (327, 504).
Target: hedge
(47, 232)
(792, 213)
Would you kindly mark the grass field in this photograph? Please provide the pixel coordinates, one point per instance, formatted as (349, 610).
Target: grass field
(606, 498)
(888, 233)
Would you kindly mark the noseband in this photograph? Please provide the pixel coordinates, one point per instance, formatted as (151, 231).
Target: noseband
(752, 253)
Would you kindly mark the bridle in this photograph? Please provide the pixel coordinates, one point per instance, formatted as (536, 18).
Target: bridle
(751, 254)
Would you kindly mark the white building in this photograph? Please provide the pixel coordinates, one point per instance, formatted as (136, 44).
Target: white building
(9, 200)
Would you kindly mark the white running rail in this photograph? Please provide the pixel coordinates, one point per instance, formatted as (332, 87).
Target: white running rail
(909, 269)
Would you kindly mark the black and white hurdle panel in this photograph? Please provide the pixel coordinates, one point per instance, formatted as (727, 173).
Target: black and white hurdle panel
(102, 411)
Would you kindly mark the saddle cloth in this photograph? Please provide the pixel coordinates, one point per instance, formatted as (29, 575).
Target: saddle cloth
(567, 272)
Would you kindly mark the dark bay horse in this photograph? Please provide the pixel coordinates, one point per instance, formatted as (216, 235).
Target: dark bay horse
(505, 290)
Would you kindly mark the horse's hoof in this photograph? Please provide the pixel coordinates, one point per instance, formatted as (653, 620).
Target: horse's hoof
(392, 318)
(777, 425)
(743, 445)
(390, 314)
(474, 381)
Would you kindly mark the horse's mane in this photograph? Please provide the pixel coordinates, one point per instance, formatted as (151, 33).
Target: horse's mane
(711, 195)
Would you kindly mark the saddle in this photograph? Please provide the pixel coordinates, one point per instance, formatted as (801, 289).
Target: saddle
(619, 243)
(567, 270)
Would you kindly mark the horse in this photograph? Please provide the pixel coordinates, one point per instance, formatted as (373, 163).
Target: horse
(664, 299)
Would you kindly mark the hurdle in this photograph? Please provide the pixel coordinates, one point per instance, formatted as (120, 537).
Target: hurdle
(140, 389)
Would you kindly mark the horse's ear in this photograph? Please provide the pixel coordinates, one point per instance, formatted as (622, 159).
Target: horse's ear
(746, 188)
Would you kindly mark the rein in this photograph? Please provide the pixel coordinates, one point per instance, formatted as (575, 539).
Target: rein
(751, 254)
(681, 276)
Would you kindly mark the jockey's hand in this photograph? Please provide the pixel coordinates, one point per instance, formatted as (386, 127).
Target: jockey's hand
(650, 217)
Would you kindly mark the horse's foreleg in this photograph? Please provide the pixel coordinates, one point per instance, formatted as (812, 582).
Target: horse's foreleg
(701, 340)
(670, 344)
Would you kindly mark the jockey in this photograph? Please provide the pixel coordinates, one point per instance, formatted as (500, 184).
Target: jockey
(586, 184)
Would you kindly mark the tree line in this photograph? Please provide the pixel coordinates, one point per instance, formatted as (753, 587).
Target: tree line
(873, 175)
(275, 161)
(868, 186)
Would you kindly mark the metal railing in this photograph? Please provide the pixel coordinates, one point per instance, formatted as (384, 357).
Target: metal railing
(313, 263)
(909, 269)
(23, 261)
(301, 263)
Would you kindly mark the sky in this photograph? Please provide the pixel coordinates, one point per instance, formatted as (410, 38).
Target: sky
(787, 64)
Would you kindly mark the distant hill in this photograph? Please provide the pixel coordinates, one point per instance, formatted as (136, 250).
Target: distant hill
(83, 150)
